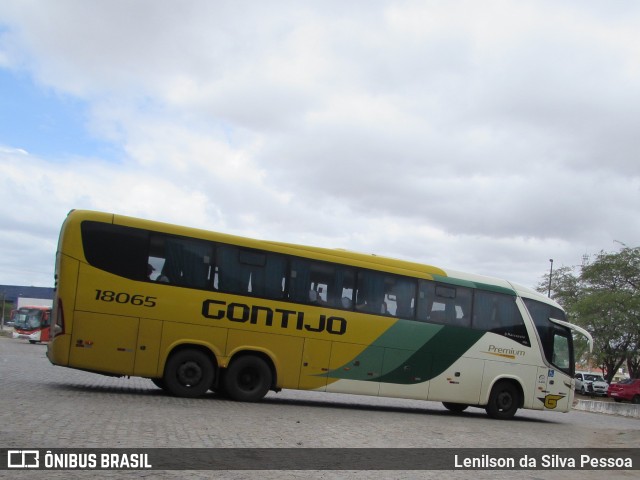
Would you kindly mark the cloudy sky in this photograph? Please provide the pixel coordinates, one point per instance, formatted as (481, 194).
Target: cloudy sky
(486, 136)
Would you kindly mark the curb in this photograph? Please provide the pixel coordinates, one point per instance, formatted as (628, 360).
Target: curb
(610, 408)
(7, 332)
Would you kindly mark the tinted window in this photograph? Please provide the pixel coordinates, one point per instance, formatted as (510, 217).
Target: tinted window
(370, 292)
(250, 272)
(385, 294)
(444, 304)
(400, 296)
(116, 249)
(320, 283)
(498, 313)
(180, 261)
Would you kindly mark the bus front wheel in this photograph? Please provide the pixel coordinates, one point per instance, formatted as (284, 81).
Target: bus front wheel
(248, 379)
(503, 401)
(188, 373)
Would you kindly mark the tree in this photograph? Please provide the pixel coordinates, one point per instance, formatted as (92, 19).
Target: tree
(565, 286)
(618, 274)
(605, 299)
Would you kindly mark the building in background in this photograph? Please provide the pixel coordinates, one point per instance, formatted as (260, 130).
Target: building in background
(15, 296)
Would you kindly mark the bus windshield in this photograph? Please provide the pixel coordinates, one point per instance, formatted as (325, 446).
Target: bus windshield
(28, 319)
(556, 339)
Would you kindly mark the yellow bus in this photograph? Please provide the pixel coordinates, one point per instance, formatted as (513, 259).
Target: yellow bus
(195, 311)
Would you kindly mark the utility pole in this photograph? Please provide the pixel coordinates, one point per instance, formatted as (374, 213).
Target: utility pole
(550, 273)
(3, 301)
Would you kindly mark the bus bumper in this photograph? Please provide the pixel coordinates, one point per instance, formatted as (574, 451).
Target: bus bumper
(32, 337)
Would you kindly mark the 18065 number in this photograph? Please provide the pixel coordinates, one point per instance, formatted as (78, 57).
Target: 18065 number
(124, 297)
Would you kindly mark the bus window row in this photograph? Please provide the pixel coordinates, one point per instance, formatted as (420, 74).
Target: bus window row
(193, 263)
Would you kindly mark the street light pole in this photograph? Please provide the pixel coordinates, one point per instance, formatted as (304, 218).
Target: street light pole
(550, 273)
(4, 296)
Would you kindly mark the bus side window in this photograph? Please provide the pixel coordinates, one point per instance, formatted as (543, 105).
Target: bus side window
(405, 290)
(460, 314)
(179, 261)
(254, 272)
(116, 249)
(340, 292)
(370, 292)
(399, 297)
(267, 273)
(498, 313)
(320, 283)
(444, 304)
(300, 281)
(233, 276)
(426, 296)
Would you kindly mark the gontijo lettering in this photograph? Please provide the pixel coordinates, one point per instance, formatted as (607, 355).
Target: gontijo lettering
(242, 313)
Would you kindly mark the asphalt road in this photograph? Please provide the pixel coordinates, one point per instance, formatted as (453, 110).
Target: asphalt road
(45, 406)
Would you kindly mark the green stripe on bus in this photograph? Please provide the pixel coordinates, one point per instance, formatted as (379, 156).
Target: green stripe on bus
(434, 357)
(407, 335)
(409, 353)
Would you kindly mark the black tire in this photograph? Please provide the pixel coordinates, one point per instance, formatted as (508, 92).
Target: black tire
(188, 373)
(248, 379)
(159, 382)
(32, 342)
(503, 401)
(636, 399)
(455, 407)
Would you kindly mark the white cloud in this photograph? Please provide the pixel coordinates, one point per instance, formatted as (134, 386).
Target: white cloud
(486, 137)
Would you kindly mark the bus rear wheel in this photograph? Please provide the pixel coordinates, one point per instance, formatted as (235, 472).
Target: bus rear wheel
(247, 379)
(455, 407)
(503, 401)
(188, 373)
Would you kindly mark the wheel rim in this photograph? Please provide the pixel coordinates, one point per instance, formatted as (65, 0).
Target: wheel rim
(189, 374)
(504, 401)
(248, 379)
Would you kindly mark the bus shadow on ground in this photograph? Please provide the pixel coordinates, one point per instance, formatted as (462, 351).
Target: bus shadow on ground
(118, 389)
(356, 403)
(471, 412)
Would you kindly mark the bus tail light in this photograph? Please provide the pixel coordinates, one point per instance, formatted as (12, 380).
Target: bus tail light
(57, 327)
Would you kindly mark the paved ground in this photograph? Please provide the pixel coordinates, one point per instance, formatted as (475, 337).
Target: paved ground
(43, 406)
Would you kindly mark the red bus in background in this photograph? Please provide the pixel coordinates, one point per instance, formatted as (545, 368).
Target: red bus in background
(32, 323)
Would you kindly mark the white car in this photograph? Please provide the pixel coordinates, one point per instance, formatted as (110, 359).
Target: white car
(591, 384)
